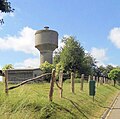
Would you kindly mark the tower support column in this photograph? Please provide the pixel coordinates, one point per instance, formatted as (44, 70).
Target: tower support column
(46, 56)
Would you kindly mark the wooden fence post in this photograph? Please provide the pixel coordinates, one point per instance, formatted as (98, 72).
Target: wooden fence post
(72, 82)
(61, 82)
(93, 78)
(82, 81)
(6, 82)
(105, 80)
(52, 85)
(97, 78)
(89, 78)
(101, 80)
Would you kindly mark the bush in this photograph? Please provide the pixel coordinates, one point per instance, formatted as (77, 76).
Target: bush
(115, 75)
(47, 68)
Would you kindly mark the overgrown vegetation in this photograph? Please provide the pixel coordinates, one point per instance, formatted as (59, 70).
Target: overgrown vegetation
(31, 101)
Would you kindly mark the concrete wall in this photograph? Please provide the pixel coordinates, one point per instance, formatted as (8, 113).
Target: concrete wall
(19, 75)
(37, 72)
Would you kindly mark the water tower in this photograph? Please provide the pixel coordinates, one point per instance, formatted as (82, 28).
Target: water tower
(46, 41)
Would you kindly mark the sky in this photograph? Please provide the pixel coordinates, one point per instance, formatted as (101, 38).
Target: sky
(94, 23)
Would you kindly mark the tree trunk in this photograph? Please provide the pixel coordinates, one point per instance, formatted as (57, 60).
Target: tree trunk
(114, 82)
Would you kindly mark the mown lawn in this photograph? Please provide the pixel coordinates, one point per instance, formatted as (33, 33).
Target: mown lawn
(31, 102)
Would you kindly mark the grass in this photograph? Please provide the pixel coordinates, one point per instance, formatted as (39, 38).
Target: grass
(31, 102)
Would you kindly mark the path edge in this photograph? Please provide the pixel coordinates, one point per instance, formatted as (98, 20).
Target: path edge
(107, 112)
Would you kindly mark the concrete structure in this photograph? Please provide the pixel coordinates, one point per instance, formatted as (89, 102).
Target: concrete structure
(46, 41)
(19, 75)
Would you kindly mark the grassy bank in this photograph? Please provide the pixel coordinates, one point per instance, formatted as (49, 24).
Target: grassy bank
(31, 102)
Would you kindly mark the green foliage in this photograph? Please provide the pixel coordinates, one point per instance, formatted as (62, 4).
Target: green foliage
(105, 70)
(72, 54)
(56, 58)
(58, 67)
(7, 66)
(109, 68)
(5, 6)
(115, 74)
(46, 67)
(73, 58)
(87, 65)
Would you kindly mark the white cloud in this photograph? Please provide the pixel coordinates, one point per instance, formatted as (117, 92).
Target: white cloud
(28, 63)
(86, 51)
(100, 55)
(24, 42)
(114, 65)
(2, 15)
(114, 36)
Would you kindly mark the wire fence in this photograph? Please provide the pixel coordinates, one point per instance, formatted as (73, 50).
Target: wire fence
(62, 76)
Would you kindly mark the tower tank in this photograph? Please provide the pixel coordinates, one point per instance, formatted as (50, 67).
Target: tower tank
(46, 41)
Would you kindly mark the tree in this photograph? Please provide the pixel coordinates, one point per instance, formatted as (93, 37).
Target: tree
(56, 59)
(109, 68)
(7, 66)
(5, 7)
(105, 70)
(73, 58)
(88, 64)
(72, 55)
(114, 75)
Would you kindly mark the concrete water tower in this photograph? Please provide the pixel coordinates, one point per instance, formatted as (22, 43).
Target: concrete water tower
(46, 41)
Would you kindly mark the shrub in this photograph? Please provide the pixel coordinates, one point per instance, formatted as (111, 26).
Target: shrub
(114, 75)
(47, 68)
